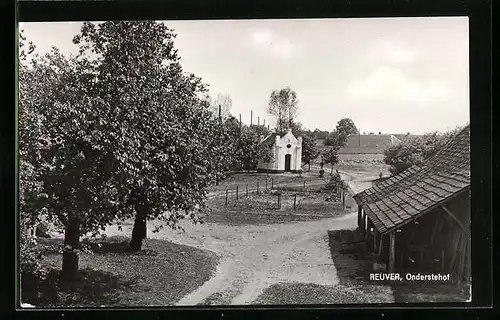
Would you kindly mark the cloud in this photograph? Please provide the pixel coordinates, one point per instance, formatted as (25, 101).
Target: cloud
(262, 36)
(270, 43)
(388, 51)
(391, 84)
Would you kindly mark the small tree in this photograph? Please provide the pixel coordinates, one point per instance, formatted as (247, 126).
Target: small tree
(330, 157)
(309, 149)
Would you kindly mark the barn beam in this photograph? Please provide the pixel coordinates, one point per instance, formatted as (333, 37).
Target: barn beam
(360, 211)
(460, 224)
(392, 247)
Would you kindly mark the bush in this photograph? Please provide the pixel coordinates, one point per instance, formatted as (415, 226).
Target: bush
(335, 182)
(30, 259)
(416, 150)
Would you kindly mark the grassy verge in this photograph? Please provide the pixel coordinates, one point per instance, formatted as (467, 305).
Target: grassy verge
(308, 293)
(159, 275)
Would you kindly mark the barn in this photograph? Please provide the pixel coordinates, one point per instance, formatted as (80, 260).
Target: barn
(287, 154)
(420, 218)
(366, 147)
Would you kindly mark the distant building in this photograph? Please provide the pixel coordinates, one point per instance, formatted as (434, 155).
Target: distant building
(287, 154)
(422, 215)
(366, 147)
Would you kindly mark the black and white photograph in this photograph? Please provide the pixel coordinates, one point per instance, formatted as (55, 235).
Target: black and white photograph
(251, 162)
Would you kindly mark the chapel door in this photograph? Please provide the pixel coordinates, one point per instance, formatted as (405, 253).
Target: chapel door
(288, 160)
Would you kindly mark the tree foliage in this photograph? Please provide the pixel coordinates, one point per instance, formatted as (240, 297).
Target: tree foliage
(346, 127)
(338, 137)
(415, 150)
(310, 150)
(118, 131)
(330, 156)
(283, 105)
(335, 139)
(168, 145)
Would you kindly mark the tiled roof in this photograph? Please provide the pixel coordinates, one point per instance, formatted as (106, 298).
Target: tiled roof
(269, 140)
(396, 201)
(368, 143)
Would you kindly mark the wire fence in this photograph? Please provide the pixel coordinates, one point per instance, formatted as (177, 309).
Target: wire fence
(274, 194)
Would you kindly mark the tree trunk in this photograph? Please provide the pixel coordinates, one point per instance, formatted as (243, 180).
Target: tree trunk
(70, 256)
(139, 232)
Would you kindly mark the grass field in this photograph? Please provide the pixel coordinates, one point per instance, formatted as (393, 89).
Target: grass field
(263, 208)
(159, 275)
(308, 293)
(244, 179)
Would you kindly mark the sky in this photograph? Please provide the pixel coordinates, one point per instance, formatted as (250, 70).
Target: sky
(394, 75)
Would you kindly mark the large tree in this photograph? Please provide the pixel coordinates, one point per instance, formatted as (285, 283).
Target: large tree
(60, 140)
(346, 127)
(338, 137)
(283, 105)
(168, 144)
(30, 186)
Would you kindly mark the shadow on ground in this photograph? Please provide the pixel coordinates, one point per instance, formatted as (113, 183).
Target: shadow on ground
(91, 288)
(159, 275)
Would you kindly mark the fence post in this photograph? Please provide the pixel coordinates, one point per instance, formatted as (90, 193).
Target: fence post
(304, 188)
(294, 201)
(226, 196)
(343, 199)
(257, 187)
(246, 187)
(272, 183)
(279, 201)
(266, 184)
(236, 193)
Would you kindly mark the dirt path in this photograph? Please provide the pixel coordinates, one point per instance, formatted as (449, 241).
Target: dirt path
(255, 257)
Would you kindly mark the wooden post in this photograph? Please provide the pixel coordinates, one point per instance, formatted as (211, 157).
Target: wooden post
(272, 183)
(220, 113)
(343, 199)
(266, 184)
(251, 118)
(240, 121)
(246, 190)
(294, 201)
(380, 244)
(442, 260)
(226, 196)
(257, 187)
(359, 216)
(279, 201)
(236, 193)
(258, 121)
(392, 236)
